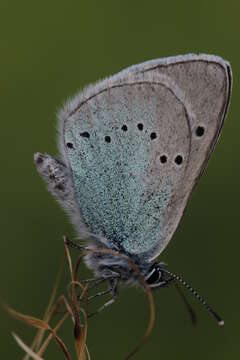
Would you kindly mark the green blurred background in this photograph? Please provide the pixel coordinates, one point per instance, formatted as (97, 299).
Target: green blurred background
(48, 51)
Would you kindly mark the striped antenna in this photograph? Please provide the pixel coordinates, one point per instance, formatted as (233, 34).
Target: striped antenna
(178, 278)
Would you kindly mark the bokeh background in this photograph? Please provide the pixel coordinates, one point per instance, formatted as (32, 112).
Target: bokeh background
(48, 51)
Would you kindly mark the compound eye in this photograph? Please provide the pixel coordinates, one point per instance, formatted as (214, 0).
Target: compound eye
(154, 276)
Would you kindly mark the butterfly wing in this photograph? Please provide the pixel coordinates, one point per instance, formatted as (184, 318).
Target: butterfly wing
(136, 144)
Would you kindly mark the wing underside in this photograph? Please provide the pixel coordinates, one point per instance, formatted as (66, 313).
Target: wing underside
(137, 143)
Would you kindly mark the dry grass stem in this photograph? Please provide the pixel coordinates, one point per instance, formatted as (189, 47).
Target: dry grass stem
(27, 349)
(73, 308)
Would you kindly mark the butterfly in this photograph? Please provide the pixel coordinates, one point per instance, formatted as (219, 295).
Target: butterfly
(132, 148)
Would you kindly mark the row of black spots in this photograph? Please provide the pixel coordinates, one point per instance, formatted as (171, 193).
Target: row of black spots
(153, 135)
(86, 134)
(178, 159)
(199, 132)
(140, 127)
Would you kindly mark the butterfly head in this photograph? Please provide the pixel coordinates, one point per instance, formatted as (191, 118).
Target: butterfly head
(157, 276)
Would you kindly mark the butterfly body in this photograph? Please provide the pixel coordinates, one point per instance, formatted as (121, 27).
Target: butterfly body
(132, 149)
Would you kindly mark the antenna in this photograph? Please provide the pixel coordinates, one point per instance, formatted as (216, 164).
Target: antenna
(219, 320)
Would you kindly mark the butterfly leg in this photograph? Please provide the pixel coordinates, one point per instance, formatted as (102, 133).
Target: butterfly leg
(113, 288)
(189, 308)
(100, 293)
(95, 281)
(104, 306)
